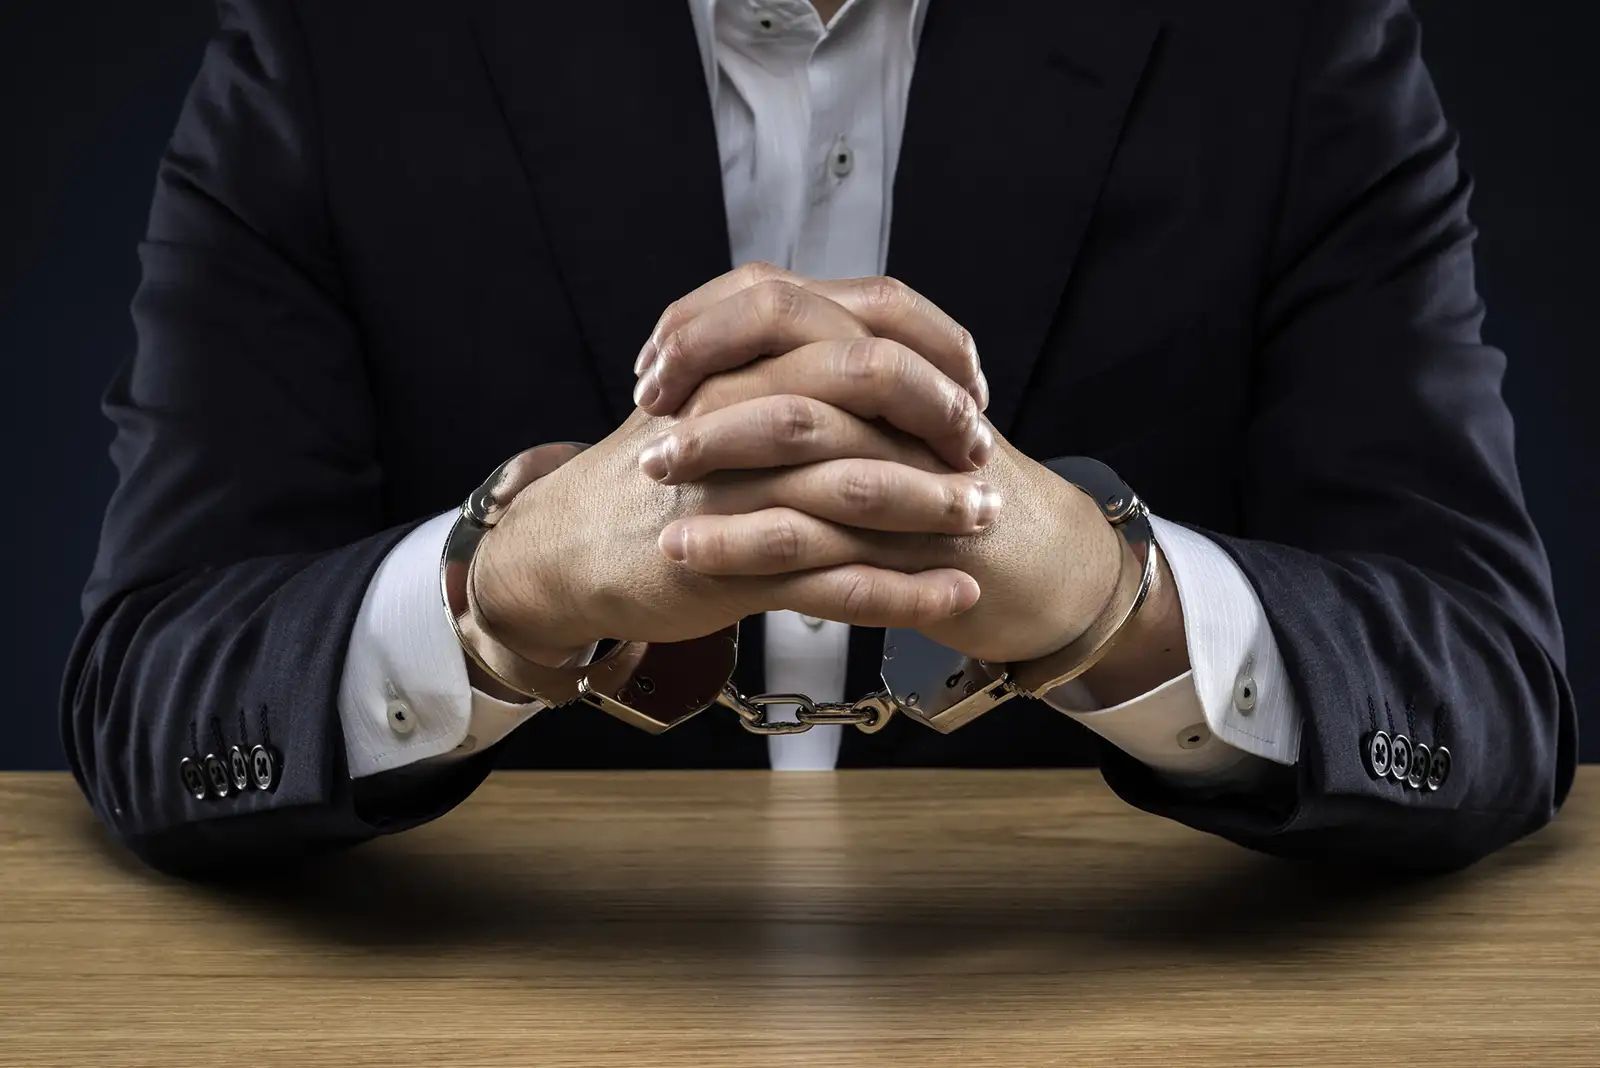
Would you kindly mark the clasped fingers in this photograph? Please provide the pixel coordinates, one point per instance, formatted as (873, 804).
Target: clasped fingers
(768, 317)
(784, 430)
(778, 541)
(873, 379)
(867, 494)
(758, 304)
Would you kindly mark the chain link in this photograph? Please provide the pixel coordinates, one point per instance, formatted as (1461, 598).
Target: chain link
(868, 714)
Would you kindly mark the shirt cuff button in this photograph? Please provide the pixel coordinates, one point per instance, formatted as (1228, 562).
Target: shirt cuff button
(401, 719)
(1244, 693)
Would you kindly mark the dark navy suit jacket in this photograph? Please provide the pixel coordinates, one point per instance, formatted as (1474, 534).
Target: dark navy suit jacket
(1222, 246)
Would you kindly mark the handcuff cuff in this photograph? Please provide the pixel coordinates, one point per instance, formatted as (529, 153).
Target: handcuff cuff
(656, 686)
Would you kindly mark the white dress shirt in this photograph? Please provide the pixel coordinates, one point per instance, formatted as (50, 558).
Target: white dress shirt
(808, 120)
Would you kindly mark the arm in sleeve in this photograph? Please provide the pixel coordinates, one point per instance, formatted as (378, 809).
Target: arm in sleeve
(1386, 532)
(405, 699)
(247, 520)
(1220, 725)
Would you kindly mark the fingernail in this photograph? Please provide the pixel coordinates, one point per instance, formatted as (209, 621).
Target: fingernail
(988, 505)
(983, 391)
(647, 356)
(656, 458)
(984, 448)
(674, 543)
(645, 391)
(963, 595)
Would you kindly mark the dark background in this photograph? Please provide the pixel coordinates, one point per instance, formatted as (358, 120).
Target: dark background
(89, 90)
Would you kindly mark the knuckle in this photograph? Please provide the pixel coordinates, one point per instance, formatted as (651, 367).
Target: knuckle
(782, 541)
(870, 361)
(861, 488)
(860, 593)
(780, 301)
(757, 271)
(884, 294)
(961, 411)
(960, 508)
(793, 420)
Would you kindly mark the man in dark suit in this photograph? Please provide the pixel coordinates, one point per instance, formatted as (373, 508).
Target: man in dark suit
(1222, 248)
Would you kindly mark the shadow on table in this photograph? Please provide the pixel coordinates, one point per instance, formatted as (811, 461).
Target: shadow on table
(1080, 912)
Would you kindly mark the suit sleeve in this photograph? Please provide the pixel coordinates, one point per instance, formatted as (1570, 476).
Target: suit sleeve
(247, 519)
(1386, 532)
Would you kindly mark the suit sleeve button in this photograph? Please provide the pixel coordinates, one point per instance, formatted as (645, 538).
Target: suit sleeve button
(194, 780)
(264, 768)
(1378, 753)
(239, 768)
(217, 774)
(1421, 761)
(1438, 768)
(1400, 758)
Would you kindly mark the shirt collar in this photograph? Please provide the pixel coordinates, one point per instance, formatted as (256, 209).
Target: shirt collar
(703, 14)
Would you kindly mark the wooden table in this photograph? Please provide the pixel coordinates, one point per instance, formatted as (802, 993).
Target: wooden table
(702, 919)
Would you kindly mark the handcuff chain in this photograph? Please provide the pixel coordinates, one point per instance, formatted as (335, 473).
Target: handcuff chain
(867, 714)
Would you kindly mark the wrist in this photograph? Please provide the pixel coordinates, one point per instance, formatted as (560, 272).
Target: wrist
(1152, 649)
(1087, 553)
(519, 583)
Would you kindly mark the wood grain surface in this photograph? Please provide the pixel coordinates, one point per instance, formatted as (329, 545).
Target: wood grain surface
(746, 918)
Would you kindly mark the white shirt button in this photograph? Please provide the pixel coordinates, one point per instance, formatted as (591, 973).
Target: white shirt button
(1194, 736)
(1244, 693)
(840, 159)
(812, 622)
(401, 719)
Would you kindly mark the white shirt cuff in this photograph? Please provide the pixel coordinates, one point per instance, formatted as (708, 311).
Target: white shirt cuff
(1234, 705)
(405, 696)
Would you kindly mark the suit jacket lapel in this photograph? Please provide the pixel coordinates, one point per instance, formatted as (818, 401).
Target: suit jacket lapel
(1016, 107)
(608, 107)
